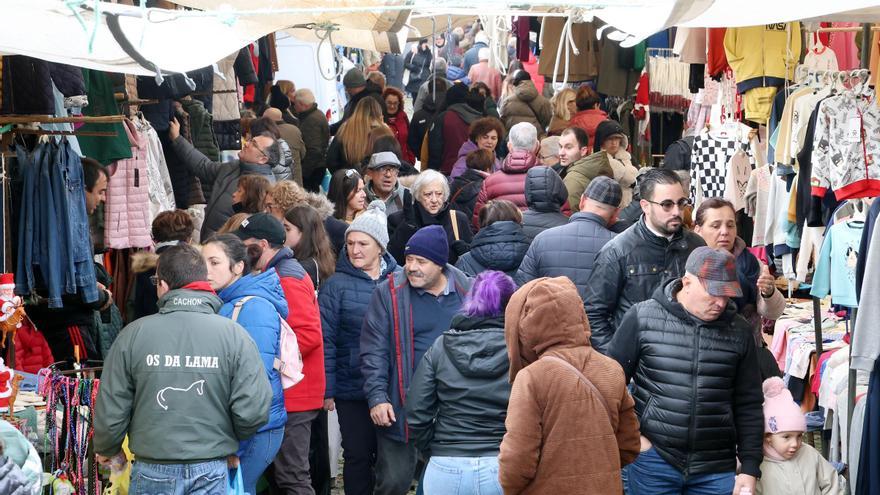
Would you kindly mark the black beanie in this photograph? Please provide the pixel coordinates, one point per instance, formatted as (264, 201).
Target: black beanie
(278, 100)
(605, 130)
(456, 94)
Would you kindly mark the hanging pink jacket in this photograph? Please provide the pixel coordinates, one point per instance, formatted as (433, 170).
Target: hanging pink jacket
(127, 209)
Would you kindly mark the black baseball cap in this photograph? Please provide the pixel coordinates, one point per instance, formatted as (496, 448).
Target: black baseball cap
(262, 226)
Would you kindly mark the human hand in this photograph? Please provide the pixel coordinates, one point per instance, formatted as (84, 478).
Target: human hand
(173, 129)
(232, 462)
(383, 414)
(329, 404)
(766, 282)
(745, 484)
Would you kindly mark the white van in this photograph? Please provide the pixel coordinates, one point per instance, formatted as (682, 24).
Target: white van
(298, 61)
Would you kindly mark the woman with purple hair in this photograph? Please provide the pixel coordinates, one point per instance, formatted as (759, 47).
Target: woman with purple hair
(457, 401)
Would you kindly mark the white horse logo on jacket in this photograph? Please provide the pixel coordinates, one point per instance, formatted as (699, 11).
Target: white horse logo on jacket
(160, 397)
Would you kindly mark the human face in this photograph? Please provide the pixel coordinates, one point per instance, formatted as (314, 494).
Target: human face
(488, 141)
(273, 209)
(785, 443)
(423, 273)
(699, 302)
(254, 150)
(238, 195)
(612, 145)
(571, 106)
(97, 195)
(392, 104)
(431, 197)
(439, 41)
(661, 220)
(363, 251)
(220, 274)
(357, 199)
(718, 229)
(384, 179)
(570, 150)
(293, 235)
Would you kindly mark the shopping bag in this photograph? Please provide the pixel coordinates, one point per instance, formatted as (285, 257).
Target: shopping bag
(236, 485)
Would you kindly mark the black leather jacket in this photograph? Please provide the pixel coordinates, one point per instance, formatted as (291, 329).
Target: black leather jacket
(696, 384)
(627, 270)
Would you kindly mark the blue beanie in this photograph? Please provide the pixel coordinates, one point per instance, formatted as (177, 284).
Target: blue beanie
(431, 243)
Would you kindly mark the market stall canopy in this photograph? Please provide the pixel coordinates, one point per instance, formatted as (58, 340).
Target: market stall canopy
(63, 32)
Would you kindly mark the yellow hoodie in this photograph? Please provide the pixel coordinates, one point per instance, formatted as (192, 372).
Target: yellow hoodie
(763, 56)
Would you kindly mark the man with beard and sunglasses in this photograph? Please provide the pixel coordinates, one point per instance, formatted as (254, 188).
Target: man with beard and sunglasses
(632, 265)
(264, 236)
(407, 312)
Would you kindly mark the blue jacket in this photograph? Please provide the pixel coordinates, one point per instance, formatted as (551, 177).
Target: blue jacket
(472, 56)
(387, 339)
(454, 73)
(260, 317)
(343, 300)
(500, 246)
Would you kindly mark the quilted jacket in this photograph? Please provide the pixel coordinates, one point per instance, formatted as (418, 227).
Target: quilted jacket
(31, 349)
(508, 183)
(27, 86)
(566, 251)
(525, 104)
(343, 300)
(236, 65)
(499, 246)
(69, 81)
(127, 207)
(545, 195)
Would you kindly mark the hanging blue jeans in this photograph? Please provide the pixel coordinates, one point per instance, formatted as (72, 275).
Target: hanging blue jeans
(200, 478)
(651, 475)
(256, 454)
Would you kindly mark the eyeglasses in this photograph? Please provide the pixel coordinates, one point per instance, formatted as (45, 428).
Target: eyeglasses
(667, 204)
(154, 280)
(387, 169)
(253, 143)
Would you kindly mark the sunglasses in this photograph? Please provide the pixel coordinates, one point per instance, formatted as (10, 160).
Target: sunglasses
(668, 204)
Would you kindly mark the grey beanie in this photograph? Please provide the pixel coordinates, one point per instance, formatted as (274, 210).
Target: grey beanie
(372, 222)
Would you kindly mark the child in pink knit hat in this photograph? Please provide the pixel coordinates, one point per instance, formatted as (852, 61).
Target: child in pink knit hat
(789, 466)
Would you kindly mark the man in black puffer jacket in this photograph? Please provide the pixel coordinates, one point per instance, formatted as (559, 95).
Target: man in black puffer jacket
(696, 384)
(545, 195)
(640, 259)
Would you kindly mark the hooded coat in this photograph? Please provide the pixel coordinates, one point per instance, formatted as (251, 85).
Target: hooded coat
(260, 316)
(562, 435)
(588, 120)
(344, 300)
(448, 131)
(508, 183)
(500, 246)
(335, 227)
(316, 137)
(457, 401)
(464, 191)
(545, 196)
(525, 104)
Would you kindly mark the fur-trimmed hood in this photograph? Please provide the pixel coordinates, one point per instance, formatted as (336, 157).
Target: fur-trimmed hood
(144, 261)
(320, 203)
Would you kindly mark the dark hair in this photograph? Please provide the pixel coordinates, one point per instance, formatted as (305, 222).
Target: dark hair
(181, 265)
(315, 244)
(265, 126)
(651, 178)
(235, 250)
(586, 98)
(481, 86)
(255, 188)
(580, 135)
(385, 135)
(480, 159)
(485, 125)
(519, 76)
(387, 142)
(273, 151)
(172, 225)
(342, 185)
(489, 295)
(711, 204)
(91, 170)
(499, 210)
(476, 100)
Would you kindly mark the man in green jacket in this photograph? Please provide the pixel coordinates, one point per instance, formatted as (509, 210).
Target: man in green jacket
(186, 385)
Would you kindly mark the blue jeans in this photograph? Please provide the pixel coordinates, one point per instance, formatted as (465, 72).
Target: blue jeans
(200, 478)
(256, 454)
(462, 476)
(651, 475)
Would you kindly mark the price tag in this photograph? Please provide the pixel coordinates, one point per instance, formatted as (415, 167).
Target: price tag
(853, 132)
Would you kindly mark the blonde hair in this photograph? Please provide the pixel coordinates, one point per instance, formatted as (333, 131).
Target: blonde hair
(355, 132)
(285, 86)
(233, 223)
(286, 194)
(560, 108)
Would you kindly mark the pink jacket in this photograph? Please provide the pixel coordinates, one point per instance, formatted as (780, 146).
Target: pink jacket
(127, 209)
(483, 73)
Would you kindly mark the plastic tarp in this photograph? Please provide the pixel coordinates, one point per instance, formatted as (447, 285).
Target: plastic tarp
(49, 30)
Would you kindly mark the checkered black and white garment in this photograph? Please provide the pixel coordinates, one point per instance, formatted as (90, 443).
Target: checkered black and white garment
(709, 158)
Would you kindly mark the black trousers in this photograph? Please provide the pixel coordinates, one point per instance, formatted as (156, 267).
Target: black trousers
(319, 455)
(358, 446)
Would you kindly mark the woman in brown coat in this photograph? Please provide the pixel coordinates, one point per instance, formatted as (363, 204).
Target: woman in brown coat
(571, 424)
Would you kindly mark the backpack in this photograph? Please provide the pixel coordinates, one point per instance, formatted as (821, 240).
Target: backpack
(288, 362)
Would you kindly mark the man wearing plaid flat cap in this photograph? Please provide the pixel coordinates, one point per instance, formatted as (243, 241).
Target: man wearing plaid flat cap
(694, 370)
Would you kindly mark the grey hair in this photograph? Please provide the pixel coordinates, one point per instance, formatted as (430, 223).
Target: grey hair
(273, 152)
(305, 96)
(426, 178)
(523, 136)
(440, 65)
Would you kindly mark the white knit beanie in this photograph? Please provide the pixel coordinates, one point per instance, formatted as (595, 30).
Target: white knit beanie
(372, 222)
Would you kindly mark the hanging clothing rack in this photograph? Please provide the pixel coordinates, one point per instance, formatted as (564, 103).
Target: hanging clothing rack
(43, 132)
(48, 119)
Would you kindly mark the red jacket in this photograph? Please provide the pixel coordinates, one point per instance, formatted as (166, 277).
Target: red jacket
(31, 349)
(305, 320)
(508, 183)
(589, 120)
(399, 124)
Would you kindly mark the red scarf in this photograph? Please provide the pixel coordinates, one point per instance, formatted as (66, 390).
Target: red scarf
(201, 286)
